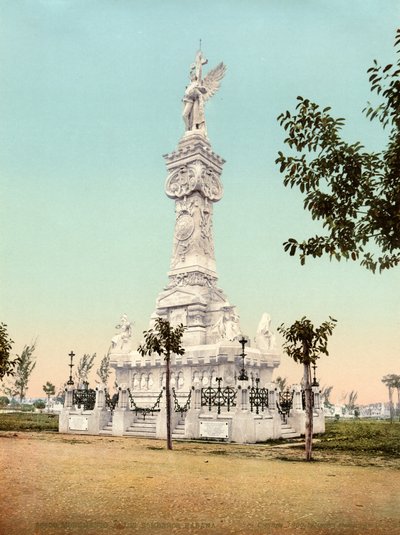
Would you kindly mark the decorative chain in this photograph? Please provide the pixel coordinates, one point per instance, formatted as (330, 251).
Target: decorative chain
(177, 406)
(145, 410)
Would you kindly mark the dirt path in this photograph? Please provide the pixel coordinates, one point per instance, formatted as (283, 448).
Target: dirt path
(63, 484)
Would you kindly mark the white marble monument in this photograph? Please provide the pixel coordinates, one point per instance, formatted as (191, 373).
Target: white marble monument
(218, 394)
(192, 296)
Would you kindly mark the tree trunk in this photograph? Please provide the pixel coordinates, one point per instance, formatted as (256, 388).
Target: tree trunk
(168, 400)
(398, 401)
(391, 408)
(309, 411)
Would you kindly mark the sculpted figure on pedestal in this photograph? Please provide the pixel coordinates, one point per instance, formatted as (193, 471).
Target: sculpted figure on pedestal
(227, 327)
(121, 341)
(265, 339)
(198, 92)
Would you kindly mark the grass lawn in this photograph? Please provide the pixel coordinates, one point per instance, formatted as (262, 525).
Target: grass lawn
(375, 437)
(361, 438)
(28, 421)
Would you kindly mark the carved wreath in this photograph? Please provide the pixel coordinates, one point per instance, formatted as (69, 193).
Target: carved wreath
(195, 177)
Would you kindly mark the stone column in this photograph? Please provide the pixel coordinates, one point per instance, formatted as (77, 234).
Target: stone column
(100, 398)
(272, 396)
(297, 400)
(317, 398)
(69, 395)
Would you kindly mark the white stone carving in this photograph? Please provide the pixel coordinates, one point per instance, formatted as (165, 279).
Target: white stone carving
(265, 339)
(193, 231)
(184, 226)
(227, 327)
(194, 278)
(121, 343)
(197, 176)
(206, 231)
(198, 92)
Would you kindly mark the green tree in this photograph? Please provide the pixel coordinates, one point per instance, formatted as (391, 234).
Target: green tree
(39, 404)
(7, 365)
(104, 370)
(49, 389)
(164, 340)
(26, 363)
(60, 395)
(304, 343)
(281, 382)
(351, 406)
(83, 368)
(392, 381)
(326, 392)
(4, 401)
(397, 387)
(355, 193)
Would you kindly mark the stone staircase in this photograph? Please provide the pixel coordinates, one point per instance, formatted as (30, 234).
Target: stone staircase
(289, 432)
(179, 432)
(142, 427)
(107, 430)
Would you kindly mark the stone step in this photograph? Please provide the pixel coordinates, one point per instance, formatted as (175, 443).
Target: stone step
(179, 431)
(143, 427)
(144, 434)
(289, 432)
(290, 435)
(107, 429)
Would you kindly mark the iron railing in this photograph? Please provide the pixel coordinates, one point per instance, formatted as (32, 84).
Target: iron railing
(111, 401)
(284, 403)
(85, 397)
(258, 398)
(218, 397)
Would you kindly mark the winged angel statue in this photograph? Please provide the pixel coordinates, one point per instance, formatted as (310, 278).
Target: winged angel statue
(198, 92)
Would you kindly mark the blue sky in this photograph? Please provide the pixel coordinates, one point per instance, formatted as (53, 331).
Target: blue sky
(91, 100)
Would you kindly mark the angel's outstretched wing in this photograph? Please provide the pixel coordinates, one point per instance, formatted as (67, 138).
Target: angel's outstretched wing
(212, 80)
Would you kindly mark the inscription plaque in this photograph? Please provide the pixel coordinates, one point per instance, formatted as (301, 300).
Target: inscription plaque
(78, 423)
(214, 429)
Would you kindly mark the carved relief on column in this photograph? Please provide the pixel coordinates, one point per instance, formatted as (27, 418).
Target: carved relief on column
(193, 229)
(193, 278)
(197, 176)
(207, 242)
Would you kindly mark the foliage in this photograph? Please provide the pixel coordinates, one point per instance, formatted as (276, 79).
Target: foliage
(23, 407)
(6, 365)
(49, 389)
(85, 364)
(356, 194)
(4, 401)
(392, 381)
(281, 382)
(25, 365)
(366, 437)
(326, 392)
(104, 370)
(39, 404)
(304, 343)
(60, 396)
(22, 421)
(165, 340)
(351, 406)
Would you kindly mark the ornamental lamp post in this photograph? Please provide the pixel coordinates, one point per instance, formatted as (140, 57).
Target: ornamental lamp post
(70, 380)
(243, 375)
(314, 381)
